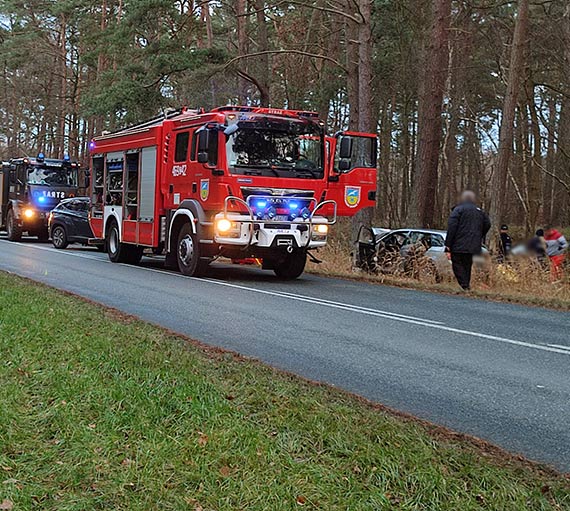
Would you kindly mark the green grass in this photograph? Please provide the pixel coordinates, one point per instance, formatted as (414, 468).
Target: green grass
(103, 412)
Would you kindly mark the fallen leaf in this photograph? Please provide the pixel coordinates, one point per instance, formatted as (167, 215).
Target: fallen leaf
(225, 471)
(92, 426)
(301, 500)
(202, 439)
(6, 504)
(10, 481)
(126, 462)
(7, 469)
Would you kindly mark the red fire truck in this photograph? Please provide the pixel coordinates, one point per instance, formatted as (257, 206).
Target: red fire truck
(237, 182)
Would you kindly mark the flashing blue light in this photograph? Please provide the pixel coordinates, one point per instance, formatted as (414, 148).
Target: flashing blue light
(91, 145)
(293, 205)
(66, 157)
(41, 199)
(260, 204)
(41, 156)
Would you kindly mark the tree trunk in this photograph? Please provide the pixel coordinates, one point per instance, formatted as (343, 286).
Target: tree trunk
(241, 29)
(352, 61)
(421, 212)
(263, 45)
(534, 168)
(366, 113)
(499, 184)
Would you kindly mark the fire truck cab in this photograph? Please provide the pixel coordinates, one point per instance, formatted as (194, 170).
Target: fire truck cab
(29, 189)
(237, 182)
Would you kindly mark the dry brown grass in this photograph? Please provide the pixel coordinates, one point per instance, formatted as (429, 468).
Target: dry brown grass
(520, 281)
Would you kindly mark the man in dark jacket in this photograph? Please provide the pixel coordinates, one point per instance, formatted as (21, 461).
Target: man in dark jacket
(466, 230)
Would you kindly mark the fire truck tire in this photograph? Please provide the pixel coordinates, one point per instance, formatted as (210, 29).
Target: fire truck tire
(59, 237)
(12, 228)
(188, 253)
(121, 252)
(292, 266)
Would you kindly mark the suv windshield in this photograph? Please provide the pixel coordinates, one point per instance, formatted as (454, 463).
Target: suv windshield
(52, 176)
(283, 148)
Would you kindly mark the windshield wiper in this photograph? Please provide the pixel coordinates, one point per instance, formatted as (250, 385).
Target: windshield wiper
(314, 174)
(255, 170)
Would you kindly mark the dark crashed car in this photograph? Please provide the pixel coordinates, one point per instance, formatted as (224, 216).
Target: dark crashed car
(69, 223)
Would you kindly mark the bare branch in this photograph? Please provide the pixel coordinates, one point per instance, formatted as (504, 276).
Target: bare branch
(284, 52)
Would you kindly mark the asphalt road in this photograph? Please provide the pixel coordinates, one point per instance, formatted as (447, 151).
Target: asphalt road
(497, 371)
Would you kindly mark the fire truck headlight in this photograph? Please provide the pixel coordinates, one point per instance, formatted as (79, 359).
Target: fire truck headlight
(223, 225)
(322, 228)
(29, 213)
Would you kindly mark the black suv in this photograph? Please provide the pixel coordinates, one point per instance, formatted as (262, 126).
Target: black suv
(68, 222)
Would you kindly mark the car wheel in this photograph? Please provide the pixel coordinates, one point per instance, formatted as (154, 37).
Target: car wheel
(291, 266)
(59, 237)
(12, 227)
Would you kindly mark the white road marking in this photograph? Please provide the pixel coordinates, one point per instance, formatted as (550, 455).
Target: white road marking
(559, 346)
(59, 251)
(364, 308)
(564, 350)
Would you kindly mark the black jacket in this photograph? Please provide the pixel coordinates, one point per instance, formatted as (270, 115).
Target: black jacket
(506, 244)
(466, 229)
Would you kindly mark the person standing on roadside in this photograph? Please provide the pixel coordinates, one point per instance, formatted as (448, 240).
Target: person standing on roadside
(505, 243)
(537, 248)
(467, 227)
(556, 246)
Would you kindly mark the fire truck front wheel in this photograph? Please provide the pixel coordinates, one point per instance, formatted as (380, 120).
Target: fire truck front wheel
(13, 229)
(121, 252)
(291, 266)
(188, 253)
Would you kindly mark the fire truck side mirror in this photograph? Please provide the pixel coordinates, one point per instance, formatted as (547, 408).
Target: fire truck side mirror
(203, 143)
(345, 150)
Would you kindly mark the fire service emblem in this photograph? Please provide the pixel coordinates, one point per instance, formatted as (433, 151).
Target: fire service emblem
(204, 189)
(352, 196)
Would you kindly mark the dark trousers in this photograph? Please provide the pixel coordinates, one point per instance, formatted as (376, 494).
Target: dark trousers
(462, 264)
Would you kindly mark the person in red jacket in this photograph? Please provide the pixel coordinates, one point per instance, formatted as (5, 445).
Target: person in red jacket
(556, 246)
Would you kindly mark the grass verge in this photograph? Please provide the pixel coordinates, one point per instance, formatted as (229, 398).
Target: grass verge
(518, 283)
(101, 411)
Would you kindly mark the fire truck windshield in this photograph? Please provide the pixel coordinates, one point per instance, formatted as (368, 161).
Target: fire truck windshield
(266, 147)
(52, 175)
